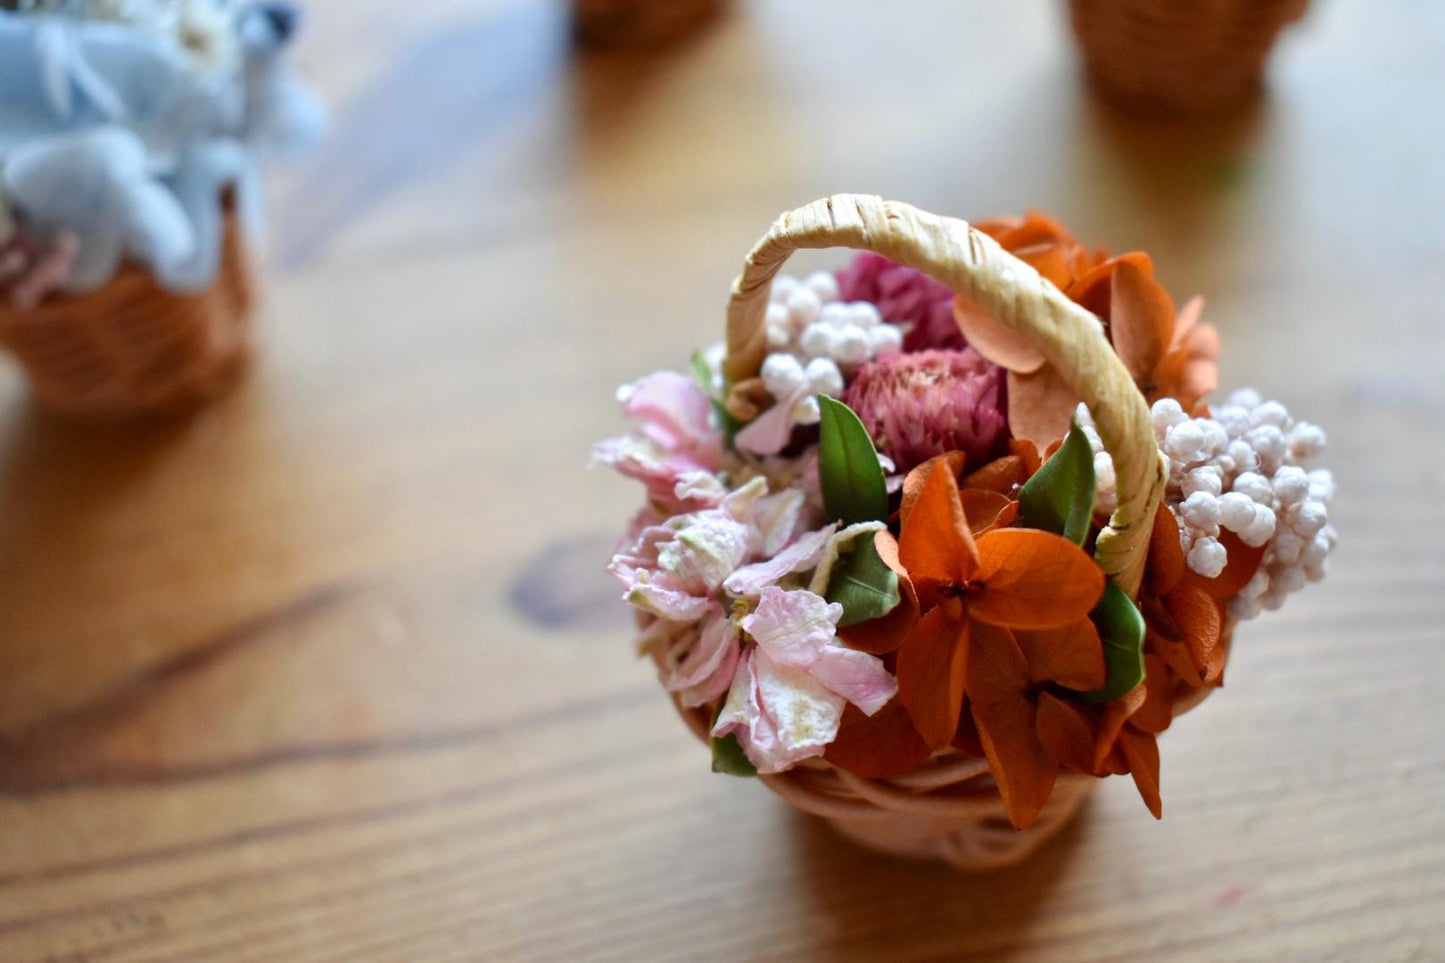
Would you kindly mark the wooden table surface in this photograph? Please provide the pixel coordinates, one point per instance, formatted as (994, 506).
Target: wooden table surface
(332, 672)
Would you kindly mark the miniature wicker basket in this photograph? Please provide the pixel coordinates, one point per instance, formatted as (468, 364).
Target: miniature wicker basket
(949, 807)
(1179, 56)
(639, 22)
(133, 347)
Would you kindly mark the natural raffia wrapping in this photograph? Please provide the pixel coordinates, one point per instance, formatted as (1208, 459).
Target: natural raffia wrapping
(133, 347)
(1179, 56)
(949, 807)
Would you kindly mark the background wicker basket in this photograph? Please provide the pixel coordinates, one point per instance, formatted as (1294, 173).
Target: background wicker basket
(639, 22)
(1179, 56)
(133, 347)
(949, 807)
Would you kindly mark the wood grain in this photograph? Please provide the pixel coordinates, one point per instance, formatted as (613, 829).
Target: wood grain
(285, 683)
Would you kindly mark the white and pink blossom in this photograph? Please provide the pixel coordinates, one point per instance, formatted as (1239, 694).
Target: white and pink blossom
(786, 700)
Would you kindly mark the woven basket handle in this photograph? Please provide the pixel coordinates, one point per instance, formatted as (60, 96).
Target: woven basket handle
(974, 265)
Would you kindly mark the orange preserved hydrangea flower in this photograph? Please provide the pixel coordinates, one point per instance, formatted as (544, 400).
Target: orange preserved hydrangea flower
(1003, 612)
(1169, 355)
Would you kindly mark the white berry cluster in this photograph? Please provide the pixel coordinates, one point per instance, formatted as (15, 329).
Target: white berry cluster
(1242, 470)
(805, 318)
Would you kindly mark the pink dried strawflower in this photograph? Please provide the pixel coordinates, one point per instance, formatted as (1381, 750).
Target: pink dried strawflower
(905, 297)
(916, 406)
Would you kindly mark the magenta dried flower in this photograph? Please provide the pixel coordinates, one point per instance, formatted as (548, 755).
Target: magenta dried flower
(916, 406)
(905, 297)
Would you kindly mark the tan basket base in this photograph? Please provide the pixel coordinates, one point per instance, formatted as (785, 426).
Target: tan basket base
(975, 844)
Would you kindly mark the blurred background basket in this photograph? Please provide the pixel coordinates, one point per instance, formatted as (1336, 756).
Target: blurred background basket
(639, 22)
(132, 347)
(1179, 56)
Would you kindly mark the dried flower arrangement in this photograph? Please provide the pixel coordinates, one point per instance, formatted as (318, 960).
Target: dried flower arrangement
(129, 131)
(948, 535)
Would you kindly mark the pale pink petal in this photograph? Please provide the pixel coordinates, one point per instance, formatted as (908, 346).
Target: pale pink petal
(797, 717)
(750, 580)
(666, 603)
(702, 664)
(700, 488)
(858, 677)
(793, 628)
(675, 411)
(768, 433)
(774, 518)
(707, 548)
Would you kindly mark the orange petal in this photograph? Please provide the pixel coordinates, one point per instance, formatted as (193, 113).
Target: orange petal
(1033, 580)
(1067, 732)
(1243, 563)
(1029, 452)
(914, 481)
(1142, 751)
(1173, 651)
(936, 543)
(996, 666)
(1034, 228)
(1202, 343)
(1199, 624)
(1024, 770)
(1141, 318)
(995, 340)
(931, 667)
(1040, 405)
(1111, 722)
(1157, 710)
(1187, 318)
(1165, 564)
(966, 739)
(1072, 656)
(1114, 763)
(1049, 261)
(1092, 288)
(1200, 377)
(880, 746)
(985, 509)
(1003, 475)
(885, 634)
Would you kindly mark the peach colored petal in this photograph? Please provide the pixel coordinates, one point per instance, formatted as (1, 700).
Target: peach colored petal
(1142, 751)
(1072, 656)
(1040, 405)
(995, 340)
(1141, 318)
(1033, 580)
(1067, 732)
(936, 543)
(880, 746)
(931, 667)
(1187, 318)
(1172, 650)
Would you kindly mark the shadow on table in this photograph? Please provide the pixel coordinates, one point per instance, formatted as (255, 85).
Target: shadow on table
(866, 906)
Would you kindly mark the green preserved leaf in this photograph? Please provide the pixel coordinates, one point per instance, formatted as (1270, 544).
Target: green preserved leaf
(1059, 498)
(865, 587)
(848, 470)
(728, 757)
(1121, 627)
